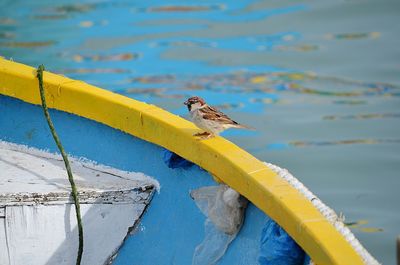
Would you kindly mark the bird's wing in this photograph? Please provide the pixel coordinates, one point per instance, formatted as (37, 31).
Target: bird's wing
(213, 114)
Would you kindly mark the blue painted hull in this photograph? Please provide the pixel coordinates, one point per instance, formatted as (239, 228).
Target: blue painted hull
(172, 226)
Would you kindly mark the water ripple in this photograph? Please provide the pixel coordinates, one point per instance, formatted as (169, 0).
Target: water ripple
(300, 144)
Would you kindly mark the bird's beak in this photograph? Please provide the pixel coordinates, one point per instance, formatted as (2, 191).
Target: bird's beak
(186, 103)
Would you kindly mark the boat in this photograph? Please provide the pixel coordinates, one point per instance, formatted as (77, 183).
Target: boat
(151, 192)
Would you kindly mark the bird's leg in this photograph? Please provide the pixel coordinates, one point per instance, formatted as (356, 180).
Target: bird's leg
(208, 136)
(201, 134)
(204, 135)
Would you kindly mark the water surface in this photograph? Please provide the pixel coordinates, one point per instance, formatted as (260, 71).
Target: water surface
(320, 80)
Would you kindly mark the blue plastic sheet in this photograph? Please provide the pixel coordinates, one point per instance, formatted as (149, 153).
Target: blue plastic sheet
(175, 161)
(278, 248)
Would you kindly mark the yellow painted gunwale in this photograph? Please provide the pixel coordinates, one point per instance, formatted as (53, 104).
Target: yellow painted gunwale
(223, 159)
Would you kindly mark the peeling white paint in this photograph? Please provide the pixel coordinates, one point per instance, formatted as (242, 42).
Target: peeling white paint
(29, 170)
(37, 217)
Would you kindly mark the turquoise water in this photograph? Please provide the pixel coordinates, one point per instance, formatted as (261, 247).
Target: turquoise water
(319, 80)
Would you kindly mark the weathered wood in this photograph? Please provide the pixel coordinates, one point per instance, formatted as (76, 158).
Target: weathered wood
(31, 176)
(4, 259)
(137, 195)
(37, 217)
(41, 234)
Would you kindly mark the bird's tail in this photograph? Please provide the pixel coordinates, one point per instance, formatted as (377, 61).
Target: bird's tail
(241, 126)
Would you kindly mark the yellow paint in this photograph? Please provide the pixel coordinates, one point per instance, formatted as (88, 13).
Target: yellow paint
(221, 158)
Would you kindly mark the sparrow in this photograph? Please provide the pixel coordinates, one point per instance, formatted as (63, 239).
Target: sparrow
(211, 120)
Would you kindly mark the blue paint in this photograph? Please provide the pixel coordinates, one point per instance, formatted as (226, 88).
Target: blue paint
(172, 226)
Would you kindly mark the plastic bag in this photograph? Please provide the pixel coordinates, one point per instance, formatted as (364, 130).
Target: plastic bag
(224, 208)
(213, 247)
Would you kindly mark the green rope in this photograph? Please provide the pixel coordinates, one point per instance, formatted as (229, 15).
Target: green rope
(65, 158)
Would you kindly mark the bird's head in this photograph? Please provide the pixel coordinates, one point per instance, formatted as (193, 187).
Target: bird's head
(194, 103)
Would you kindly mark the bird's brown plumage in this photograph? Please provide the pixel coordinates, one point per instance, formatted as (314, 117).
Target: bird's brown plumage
(209, 118)
(216, 115)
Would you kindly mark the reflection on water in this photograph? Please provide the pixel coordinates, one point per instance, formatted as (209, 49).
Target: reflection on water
(353, 36)
(362, 116)
(115, 57)
(278, 146)
(72, 8)
(176, 8)
(95, 71)
(318, 79)
(359, 225)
